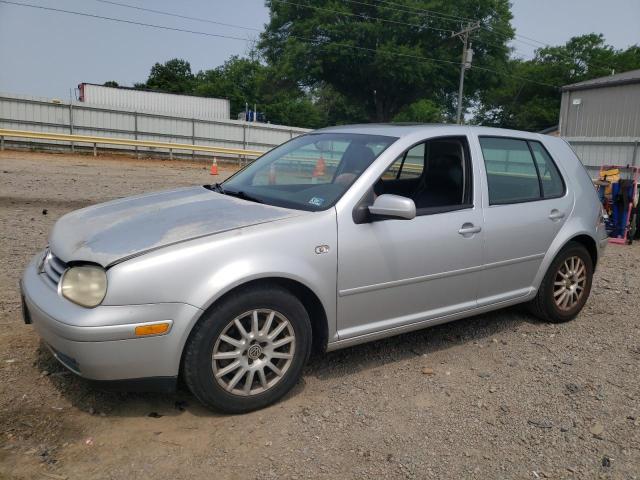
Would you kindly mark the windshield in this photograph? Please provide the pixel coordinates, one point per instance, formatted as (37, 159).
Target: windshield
(310, 172)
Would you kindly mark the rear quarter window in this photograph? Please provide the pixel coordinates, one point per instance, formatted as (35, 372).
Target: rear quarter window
(552, 185)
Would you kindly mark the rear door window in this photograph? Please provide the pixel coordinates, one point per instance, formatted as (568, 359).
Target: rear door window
(512, 174)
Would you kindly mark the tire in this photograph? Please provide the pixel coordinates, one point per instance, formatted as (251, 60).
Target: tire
(545, 305)
(206, 376)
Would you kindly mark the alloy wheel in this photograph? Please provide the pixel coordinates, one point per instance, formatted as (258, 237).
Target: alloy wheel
(253, 352)
(569, 284)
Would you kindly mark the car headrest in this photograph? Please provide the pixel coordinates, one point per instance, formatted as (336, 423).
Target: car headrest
(438, 148)
(445, 167)
(357, 158)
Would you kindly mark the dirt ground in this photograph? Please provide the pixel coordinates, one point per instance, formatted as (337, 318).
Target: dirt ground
(499, 396)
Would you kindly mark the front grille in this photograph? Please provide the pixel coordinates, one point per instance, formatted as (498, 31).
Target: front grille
(52, 268)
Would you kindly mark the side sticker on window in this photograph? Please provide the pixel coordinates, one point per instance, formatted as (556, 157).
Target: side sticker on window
(316, 201)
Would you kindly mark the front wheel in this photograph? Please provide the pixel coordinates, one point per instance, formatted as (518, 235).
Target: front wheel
(566, 285)
(248, 351)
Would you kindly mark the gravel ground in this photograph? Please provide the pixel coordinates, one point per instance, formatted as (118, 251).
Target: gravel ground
(495, 396)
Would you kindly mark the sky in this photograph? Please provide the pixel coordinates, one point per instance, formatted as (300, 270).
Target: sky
(46, 54)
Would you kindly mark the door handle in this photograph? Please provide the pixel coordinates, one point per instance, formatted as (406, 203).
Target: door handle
(556, 214)
(469, 229)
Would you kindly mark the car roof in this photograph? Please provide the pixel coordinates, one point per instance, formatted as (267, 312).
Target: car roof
(404, 129)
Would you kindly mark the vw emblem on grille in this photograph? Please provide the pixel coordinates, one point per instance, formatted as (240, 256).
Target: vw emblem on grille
(255, 351)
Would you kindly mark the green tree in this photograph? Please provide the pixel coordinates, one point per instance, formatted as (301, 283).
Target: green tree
(173, 76)
(299, 112)
(111, 83)
(285, 102)
(375, 64)
(336, 109)
(422, 111)
(248, 81)
(510, 101)
(238, 79)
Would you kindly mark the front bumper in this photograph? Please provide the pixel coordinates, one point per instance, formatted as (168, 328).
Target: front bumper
(99, 343)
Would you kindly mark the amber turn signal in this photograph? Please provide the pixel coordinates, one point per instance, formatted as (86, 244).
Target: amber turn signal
(154, 329)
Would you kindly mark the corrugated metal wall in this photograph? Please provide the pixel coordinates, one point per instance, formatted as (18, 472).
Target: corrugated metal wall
(603, 124)
(594, 152)
(601, 112)
(40, 114)
(203, 108)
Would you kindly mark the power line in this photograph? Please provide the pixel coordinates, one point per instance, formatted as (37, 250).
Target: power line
(214, 22)
(196, 32)
(386, 20)
(130, 22)
(484, 27)
(456, 18)
(186, 17)
(307, 40)
(447, 16)
(517, 77)
(410, 9)
(460, 19)
(351, 14)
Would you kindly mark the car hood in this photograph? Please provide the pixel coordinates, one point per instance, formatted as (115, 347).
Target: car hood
(113, 231)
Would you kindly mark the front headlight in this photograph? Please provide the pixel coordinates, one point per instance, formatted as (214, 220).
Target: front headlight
(85, 285)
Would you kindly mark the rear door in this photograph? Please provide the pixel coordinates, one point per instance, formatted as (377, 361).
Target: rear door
(526, 204)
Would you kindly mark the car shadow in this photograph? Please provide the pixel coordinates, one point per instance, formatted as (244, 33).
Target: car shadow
(417, 343)
(93, 400)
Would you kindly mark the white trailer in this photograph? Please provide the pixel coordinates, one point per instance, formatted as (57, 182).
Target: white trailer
(188, 106)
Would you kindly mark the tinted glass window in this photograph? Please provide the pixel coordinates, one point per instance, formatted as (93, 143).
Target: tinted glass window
(511, 172)
(551, 179)
(413, 163)
(408, 165)
(311, 172)
(433, 174)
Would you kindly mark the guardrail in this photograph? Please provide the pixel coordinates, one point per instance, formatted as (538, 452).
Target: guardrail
(64, 137)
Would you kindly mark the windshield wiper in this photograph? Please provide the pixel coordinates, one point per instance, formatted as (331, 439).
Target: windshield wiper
(243, 196)
(215, 187)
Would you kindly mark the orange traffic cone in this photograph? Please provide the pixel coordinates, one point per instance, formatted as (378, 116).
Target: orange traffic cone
(272, 174)
(214, 167)
(319, 169)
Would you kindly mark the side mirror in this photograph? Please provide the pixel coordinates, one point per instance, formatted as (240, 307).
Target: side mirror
(393, 206)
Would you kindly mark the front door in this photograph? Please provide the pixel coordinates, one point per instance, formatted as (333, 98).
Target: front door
(393, 273)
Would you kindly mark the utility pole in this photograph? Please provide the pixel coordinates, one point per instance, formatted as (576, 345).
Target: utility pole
(467, 56)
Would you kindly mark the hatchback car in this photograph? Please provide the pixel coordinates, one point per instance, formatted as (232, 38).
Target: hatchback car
(338, 237)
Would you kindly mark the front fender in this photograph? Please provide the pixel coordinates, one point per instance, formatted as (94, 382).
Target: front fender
(201, 271)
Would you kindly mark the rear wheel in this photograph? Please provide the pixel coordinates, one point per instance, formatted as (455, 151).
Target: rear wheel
(566, 285)
(248, 351)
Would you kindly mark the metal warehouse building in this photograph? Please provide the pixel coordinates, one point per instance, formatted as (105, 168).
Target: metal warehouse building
(601, 119)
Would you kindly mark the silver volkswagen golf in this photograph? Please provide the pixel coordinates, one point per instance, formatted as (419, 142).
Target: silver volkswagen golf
(338, 237)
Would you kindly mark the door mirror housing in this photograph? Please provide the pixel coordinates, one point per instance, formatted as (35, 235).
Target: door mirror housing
(389, 206)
